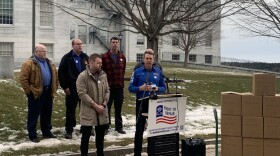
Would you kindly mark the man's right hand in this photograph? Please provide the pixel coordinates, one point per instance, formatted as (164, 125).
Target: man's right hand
(67, 91)
(99, 108)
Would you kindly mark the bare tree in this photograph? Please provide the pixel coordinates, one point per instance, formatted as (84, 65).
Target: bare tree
(259, 17)
(154, 18)
(206, 27)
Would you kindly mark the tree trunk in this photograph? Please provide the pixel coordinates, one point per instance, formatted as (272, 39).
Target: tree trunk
(153, 44)
(186, 58)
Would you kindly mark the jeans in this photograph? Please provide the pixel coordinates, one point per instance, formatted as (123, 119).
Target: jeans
(71, 102)
(41, 106)
(116, 96)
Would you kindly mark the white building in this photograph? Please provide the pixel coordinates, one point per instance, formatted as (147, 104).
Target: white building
(57, 25)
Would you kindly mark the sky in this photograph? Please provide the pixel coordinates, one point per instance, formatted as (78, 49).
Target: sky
(235, 44)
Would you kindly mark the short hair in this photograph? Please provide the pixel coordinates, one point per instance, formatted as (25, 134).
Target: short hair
(114, 38)
(92, 57)
(149, 51)
(73, 41)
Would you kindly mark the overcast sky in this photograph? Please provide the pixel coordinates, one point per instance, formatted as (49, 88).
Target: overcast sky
(235, 45)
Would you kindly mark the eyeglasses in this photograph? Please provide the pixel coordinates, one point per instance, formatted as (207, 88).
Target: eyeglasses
(78, 44)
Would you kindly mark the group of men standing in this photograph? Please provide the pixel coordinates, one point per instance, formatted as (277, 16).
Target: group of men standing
(94, 82)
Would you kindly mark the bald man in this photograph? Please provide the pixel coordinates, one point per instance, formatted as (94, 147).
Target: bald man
(38, 78)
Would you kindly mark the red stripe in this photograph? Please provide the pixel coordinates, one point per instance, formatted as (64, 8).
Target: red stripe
(166, 122)
(159, 119)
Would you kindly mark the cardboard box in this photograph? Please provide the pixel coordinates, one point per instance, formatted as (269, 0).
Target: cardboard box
(231, 125)
(252, 127)
(252, 147)
(231, 103)
(271, 147)
(231, 146)
(271, 128)
(251, 105)
(271, 106)
(264, 84)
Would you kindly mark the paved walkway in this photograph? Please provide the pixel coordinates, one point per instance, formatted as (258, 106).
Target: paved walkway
(210, 151)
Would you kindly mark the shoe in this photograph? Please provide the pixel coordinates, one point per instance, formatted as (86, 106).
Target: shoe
(121, 131)
(68, 136)
(35, 140)
(50, 136)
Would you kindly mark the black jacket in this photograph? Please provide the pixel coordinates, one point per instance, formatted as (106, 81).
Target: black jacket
(68, 72)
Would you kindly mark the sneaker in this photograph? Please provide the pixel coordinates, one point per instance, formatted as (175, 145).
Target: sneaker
(50, 136)
(35, 140)
(68, 136)
(121, 131)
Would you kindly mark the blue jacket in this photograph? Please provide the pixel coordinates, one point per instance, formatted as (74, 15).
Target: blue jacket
(141, 76)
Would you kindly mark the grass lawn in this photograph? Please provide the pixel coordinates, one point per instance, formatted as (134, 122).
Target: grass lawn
(202, 87)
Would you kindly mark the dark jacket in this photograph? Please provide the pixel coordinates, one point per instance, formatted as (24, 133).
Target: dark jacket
(115, 71)
(68, 72)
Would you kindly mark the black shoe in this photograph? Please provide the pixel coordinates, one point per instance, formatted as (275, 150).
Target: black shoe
(35, 140)
(68, 136)
(121, 131)
(50, 136)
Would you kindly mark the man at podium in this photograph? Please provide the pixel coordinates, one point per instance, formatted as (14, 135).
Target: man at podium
(146, 81)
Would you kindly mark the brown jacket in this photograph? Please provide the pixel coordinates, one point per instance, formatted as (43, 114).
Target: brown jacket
(31, 78)
(93, 90)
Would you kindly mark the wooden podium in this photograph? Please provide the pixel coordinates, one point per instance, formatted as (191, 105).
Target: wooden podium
(166, 118)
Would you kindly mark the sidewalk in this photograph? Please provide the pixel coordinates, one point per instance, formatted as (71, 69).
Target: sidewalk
(210, 151)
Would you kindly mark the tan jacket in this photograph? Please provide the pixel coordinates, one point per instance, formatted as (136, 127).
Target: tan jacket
(91, 90)
(31, 78)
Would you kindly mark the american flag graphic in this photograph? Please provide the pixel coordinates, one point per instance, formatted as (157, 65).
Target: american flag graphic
(160, 118)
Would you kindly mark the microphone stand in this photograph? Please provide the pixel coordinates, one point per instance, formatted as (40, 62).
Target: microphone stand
(176, 84)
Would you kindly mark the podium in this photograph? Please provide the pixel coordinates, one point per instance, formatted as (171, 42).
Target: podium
(166, 118)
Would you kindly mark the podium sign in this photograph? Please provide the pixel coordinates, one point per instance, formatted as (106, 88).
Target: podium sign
(166, 116)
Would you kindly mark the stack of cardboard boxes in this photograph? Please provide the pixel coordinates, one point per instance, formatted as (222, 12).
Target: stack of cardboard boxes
(250, 122)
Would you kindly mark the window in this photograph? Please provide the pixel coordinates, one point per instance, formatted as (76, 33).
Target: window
(49, 47)
(175, 41)
(192, 58)
(46, 13)
(6, 49)
(78, 3)
(140, 40)
(208, 38)
(208, 59)
(139, 57)
(176, 57)
(6, 12)
(104, 35)
(82, 33)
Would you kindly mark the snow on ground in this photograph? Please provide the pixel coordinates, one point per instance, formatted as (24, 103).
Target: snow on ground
(199, 120)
